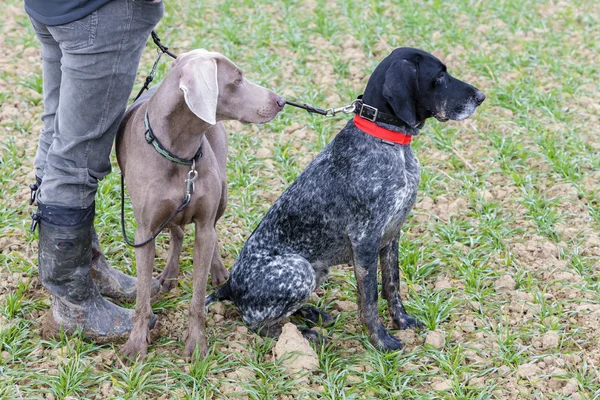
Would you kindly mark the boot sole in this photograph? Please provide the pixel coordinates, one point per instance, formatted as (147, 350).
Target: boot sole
(50, 329)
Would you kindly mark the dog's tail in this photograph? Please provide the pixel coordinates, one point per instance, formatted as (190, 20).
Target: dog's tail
(223, 292)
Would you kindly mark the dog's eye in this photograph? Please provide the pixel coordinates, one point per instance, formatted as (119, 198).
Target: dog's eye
(439, 78)
(239, 79)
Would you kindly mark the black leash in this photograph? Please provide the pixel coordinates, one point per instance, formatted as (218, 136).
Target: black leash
(162, 49)
(357, 106)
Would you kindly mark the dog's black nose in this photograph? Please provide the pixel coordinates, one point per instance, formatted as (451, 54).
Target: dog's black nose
(280, 101)
(479, 97)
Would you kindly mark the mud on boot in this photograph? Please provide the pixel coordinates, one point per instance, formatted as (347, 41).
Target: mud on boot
(65, 257)
(111, 282)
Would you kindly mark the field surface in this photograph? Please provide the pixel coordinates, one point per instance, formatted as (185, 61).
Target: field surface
(500, 258)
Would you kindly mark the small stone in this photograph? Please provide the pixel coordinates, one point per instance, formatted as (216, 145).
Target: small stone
(550, 340)
(5, 356)
(344, 306)
(295, 351)
(528, 370)
(436, 339)
(505, 283)
(218, 308)
(353, 379)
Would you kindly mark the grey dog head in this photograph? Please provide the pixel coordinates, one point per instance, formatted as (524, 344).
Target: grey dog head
(415, 85)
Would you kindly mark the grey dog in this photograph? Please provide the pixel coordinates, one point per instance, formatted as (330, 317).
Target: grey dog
(349, 204)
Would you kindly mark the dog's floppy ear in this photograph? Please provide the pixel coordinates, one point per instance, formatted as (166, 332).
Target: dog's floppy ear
(200, 87)
(399, 89)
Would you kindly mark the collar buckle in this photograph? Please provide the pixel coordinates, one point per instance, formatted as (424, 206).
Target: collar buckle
(369, 110)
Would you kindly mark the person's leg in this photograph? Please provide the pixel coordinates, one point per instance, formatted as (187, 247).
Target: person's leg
(111, 282)
(51, 75)
(100, 56)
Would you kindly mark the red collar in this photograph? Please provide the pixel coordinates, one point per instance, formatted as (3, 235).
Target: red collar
(384, 134)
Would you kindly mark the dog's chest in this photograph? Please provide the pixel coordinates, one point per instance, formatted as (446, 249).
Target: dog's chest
(402, 196)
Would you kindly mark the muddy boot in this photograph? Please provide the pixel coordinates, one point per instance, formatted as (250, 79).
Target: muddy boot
(111, 282)
(65, 257)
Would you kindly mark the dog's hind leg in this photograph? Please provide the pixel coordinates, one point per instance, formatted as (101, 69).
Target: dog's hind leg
(388, 258)
(168, 277)
(218, 273)
(283, 285)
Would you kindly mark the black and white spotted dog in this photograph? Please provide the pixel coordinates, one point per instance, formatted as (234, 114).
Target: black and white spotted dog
(349, 204)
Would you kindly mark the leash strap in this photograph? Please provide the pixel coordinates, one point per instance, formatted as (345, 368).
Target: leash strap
(358, 107)
(179, 209)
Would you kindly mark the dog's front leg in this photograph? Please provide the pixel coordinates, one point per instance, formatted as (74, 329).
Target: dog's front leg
(388, 258)
(204, 246)
(137, 344)
(365, 269)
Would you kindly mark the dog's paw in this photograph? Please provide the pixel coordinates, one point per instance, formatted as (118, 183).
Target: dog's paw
(167, 281)
(313, 336)
(405, 321)
(385, 341)
(219, 276)
(196, 347)
(133, 351)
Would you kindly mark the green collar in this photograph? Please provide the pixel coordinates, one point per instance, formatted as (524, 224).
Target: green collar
(151, 139)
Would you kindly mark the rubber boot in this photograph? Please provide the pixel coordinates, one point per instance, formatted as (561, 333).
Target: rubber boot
(110, 282)
(65, 257)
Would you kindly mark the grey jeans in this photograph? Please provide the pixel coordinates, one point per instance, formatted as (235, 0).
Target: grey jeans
(89, 68)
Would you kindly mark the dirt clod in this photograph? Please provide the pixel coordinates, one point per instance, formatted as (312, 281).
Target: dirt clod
(344, 305)
(218, 308)
(505, 283)
(436, 339)
(295, 351)
(528, 370)
(550, 340)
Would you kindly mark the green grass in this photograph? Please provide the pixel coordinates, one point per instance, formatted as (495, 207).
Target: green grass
(512, 191)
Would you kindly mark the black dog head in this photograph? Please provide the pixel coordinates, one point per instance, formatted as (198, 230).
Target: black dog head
(414, 85)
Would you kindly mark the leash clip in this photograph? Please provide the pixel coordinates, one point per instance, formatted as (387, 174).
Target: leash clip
(347, 109)
(189, 182)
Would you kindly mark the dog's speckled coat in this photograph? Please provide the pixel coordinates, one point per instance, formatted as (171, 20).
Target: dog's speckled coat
(348, 206)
